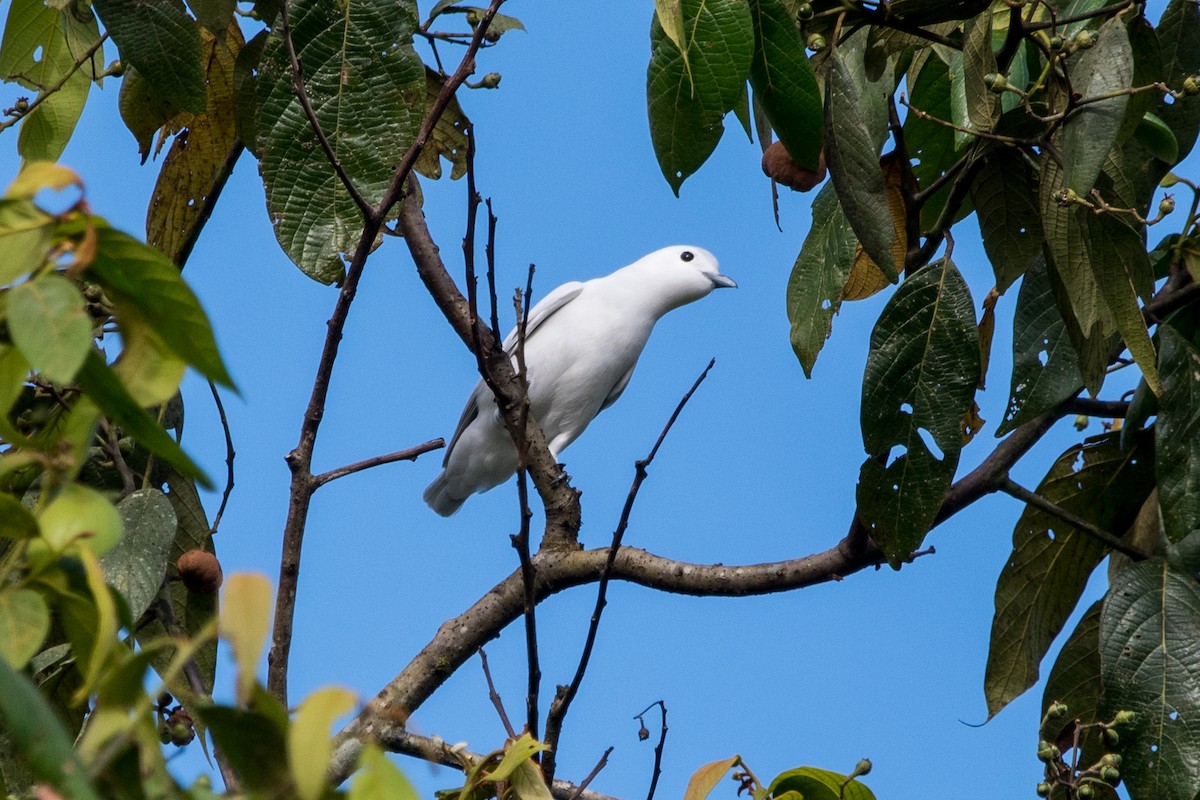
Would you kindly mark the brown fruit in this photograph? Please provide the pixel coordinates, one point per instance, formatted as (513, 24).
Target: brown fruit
(200, 571)
(778, 165)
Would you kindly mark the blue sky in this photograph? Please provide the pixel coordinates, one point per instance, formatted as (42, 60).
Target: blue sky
(761, 466)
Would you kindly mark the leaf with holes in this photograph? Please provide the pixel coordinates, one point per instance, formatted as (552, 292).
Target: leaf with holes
(137, 566)
(367, 87)
(1177, 434)
(983, 105)
(821, 268)
(918, 387)
(1045, 366)
(687, 98)
(784, 82)
(1052, 560)
(1150, 665)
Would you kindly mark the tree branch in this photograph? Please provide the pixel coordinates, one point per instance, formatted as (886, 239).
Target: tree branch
(409, 454)
(1034, 499)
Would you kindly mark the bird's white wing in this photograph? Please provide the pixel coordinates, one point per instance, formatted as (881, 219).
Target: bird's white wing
(543, 310)
(470, 412)
(618, 389)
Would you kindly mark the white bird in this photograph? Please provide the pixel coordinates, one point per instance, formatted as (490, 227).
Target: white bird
(582, 342)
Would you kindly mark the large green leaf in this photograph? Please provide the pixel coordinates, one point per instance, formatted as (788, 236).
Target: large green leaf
(1177, 434)
(815, 288)
(140, 276)
(24, 623)
(137, 565)
(48, 322)
(812, 783)
(687, 98)
(1052, 560)
(24, 236)
(1004, 195)
(40, 47)
(1091, 131)
(1045, 366)
(918, 387)
(367, 87)
(163, 43)
(1179, 40)
(254, 742)
(1075, 680)
(930, 144)
(1150, 665)
(983, 105)
(784, 82)
(853, 159)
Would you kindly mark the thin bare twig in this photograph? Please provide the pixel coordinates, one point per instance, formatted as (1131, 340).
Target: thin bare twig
(49, 91)
(658, 748)
(565, 694)
(230, 454)
(494, 696)
(408, 454)
(601, 764)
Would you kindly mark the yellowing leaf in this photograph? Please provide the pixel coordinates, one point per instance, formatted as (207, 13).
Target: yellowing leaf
(379, 779)
(516, 753)
(38, 175)
(866, 278)
(24, 623)
(670, 17)
(528, 783)
(106, 624)
(308, 741)
(148, 368)
(705, 779)
(987, 328)
(245, 620)
(78, 514)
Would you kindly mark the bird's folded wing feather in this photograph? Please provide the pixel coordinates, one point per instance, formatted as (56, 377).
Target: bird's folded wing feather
(543, 310)
(617, 389)
(470, 412)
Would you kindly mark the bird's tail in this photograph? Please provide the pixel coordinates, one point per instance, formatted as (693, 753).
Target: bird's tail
(438, 497)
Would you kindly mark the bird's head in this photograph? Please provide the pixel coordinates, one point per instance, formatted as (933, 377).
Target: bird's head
(682, 274)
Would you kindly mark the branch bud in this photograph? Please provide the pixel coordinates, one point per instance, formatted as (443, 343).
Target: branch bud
(816, 42)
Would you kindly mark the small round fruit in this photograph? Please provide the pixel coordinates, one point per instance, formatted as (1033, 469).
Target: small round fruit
(1043, 789)
(805, 12)
(200, 571)
(1111, 775)
(1111, 737)
(995, 81)
(816, 43)
(1191, 85)
(1166, 205)
(778, 165)
(1085, 792)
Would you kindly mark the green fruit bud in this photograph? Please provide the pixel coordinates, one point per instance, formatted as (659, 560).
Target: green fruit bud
(1191, 85)
(490, 81)
(1111, 775)
(1057, 43)
(805, 12)
(816, 42)
(1111, 737)
(181, 734)
(1166, 205)
(995, 81)
(1085, 792)
(1056, 710)
(1085, 40)
(1043, 789)
(1047, 752)
(164, 733)
(1110, 760)
(1081, 420)
(21, 106)
(1123, 718)
(473, 17)
(863, 767)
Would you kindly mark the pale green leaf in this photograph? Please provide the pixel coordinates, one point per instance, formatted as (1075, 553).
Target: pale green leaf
(308, 742)
(24, 623)
(80, 515)
(16, 521)
(24, 238)
(245, 621)
(516, 753)
(706, 778)
(378, 778)
(48, 322)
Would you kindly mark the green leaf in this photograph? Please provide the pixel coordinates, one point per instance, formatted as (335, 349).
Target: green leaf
(515, 754)
(854, 167)
(200, 158)
(80, 515)
(161, 42)
(918, 387)
(1179, 40)
(449, 137)
(705, 779)
(38, 735)
(137, 565)
(214, 15)
(1004, 195)
(1158, 138)
(103, 386)
(24, 238)
(1151, 666)
(784, 82)
(1075, 681)
(528, 782)
(39, 50)
(103, 636)
(245, 622)
(686, 108)
(983, 105)
(16, 522)
(24, 623)
(1051, 560)
(308, 740)
(378, 778)
(815, 287)
(930, 144)
(147, 367)
(1045, 366)
(48, 322)
(367, 87)
(139, 276)
(1065, 228)
(812, 783)
(143, 110)
(1177, 434)
(669, 14)
(1091, 130)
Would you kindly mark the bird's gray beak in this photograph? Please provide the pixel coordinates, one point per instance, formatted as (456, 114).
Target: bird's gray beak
(721, 281)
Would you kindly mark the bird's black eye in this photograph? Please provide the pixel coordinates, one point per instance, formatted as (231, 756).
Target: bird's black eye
(687, 255)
